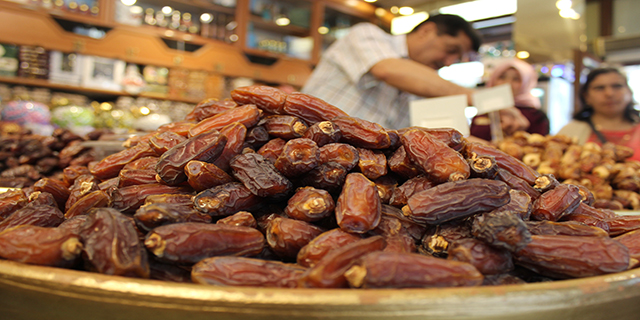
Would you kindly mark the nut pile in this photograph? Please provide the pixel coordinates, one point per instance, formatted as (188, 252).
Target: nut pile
(284, 190)
(605, 170)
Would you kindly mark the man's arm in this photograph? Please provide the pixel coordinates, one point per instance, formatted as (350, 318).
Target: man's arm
(413, 77)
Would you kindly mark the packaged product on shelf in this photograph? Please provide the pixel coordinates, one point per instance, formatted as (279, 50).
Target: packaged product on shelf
(8, 60)
(34, 62)
(156, 79)
(103, 73)
(66, 68)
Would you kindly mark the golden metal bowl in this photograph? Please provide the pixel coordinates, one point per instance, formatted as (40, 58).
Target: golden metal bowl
(34, 292)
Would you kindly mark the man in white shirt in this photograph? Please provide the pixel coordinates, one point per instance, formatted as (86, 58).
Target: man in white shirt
(373, 75)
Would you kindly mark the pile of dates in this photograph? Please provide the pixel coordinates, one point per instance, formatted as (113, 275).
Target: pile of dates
(26, 158)
(605, 170)
(284, 190)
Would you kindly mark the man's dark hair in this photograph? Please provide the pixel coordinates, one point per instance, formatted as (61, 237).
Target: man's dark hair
(451, 24)
(630, 113)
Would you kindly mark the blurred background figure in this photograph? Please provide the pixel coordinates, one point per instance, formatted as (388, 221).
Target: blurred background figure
(522, 78)
(608, 113)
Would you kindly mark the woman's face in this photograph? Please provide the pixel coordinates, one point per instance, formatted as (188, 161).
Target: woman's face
(608, 94)
(512, 77)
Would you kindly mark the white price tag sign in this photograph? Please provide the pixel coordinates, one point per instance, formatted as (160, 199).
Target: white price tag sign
(493, 99)
(442, 112)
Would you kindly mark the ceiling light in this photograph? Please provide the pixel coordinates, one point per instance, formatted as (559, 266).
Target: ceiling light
(563, 4)
(206, 17)
(128, 2)
(482, 9)
(370, 1)
(167, 10)
(323, 30)
(405, 11)
(283, 21)
(522, 54)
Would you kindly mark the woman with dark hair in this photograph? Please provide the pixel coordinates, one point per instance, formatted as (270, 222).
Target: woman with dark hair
(608, 113)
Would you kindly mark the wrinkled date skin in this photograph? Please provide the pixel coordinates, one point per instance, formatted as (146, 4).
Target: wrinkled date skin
(519, 205)
(248, 115)
(226, 199)
(401, 164)
(317, 248)
(95, 199)
(504, 161)
(112, 246)
(436, 159)
(242, 272)
(310, 108)
(208, 108)
(286, 236)
(11, 201)
(54, 247)
(164, 141)
(487, 259)
(518, 184)
(501, 230)
(451, 137)
(623, 224)
(323, 132)
(267, 98)
(358, 208)
(362, 133)
(373, 164)
(110, 166)
(191, 242)
(631, 240)
(260, 176)
(146, 163)
(71, 173)
(344, 154)
(554, 204)
(573, 257)
(454, 200)
(410, 270)
(240, 218)
(565, 228)
(204, 147)
(82, 186)
(402, 193)
(283, 126)
(33, 214)
(272, 149)
(329, 271)
(133, 177)
(202, 175)
(329, 176)
(298, 157)
(129, 199)
(310, 204)
(151, 216)
(56, 188)
(236, 134)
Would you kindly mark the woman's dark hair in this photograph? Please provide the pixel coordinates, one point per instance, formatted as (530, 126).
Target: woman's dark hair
(452, 24)
(630, 113)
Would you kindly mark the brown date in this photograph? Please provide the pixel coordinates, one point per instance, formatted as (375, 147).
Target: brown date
(240, 218)
(202, 175)
(181, 127)
(185, 200)
(95, 199)
(398, 239)
(298, 157)
(310, 204)
(410, 270)
(286, 236)
(129, 199)
(267, 98)
(483, 167)
(164, 141)
(323, 132)
(71, 173)
(564, 228)
(600, 213)
(248, 115)
(237, 271)
(504, 161)
(74, 225)
(260, 176)
(358, 208)
(256, 137)
(110, 166)
(623, 224)
(54, 247)
(588, 220)
(56, 188)
(190, 242)
(403, 192)
(373, 164)
(451, 137)
(436, 159)
(401, 164)
(519, 205)
(33, 214)
(341, 153)
(272, 149)
(317, 248)
(329, 176)
(160, 270)
(502, 230)
(329, 272)
(573, 257)
(386, 185)
(146, 163)
(134, 177)
(151, 216)
(310, 109)
(284, 126)
(226, 199)
(208, 108)
(455, 200)
(487, 259)
(205, 147)
(111, 244)
(362, 133)
(518, 184)
(236, 134)
(10, 201)
(556, 203)
(631, 240)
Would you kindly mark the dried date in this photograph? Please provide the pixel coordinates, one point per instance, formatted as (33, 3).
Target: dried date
(298, 157)
(248, 115)
(54, 247)
(267, 98)
(310, 109)
(202, 175)
(284, 126)
(487, 259)
(323, 132)
(154, 215)
(556, 203)
(260, 176)
(240, 218)
(237, 271)
(317, 248)
(226, 199)
(286, 236)
(362, 133)
(310, 204)
(436, 159)
(358, 208)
